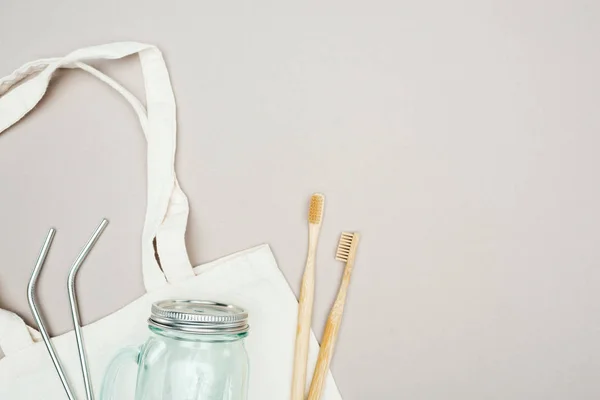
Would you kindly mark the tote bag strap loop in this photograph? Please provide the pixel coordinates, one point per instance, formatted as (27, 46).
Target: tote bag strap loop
(14, 334)
(167, 206)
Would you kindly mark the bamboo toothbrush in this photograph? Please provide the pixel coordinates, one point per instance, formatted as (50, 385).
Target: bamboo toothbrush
(346, 252)
(307, 294)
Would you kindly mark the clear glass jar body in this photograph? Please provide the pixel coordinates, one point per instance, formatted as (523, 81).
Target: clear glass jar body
(184, 366)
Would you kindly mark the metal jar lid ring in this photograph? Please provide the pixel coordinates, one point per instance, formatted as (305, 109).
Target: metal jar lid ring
(199, 316)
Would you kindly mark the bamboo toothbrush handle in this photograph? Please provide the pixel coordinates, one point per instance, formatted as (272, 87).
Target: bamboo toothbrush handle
(330, 336)
(305, 307)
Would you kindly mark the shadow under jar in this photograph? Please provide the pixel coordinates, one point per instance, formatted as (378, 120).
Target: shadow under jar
(195, 352)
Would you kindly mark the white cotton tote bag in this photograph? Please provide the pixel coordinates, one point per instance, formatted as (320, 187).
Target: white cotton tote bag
(250, 278)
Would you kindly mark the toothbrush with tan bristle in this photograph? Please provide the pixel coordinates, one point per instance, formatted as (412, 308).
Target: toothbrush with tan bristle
(307, 294)
(346, 252)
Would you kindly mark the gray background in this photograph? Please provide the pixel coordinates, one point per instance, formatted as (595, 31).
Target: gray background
(460, 138)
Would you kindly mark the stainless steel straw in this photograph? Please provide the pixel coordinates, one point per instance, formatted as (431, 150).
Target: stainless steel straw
(89, 393)
(36, 315)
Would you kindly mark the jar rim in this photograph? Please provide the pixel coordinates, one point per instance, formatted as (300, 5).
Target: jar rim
(199, 317)
(196, 337)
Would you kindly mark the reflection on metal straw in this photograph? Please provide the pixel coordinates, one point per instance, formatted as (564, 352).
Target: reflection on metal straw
(36, 314)
(75, 309)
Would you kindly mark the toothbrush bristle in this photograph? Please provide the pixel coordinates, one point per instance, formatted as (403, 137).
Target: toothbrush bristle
(346, 246)
(315, 211)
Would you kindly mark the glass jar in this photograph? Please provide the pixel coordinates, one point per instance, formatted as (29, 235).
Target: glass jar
(195, 352)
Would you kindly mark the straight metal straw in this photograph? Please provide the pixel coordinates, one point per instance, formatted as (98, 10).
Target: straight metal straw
(75, 309)
(36, 314)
